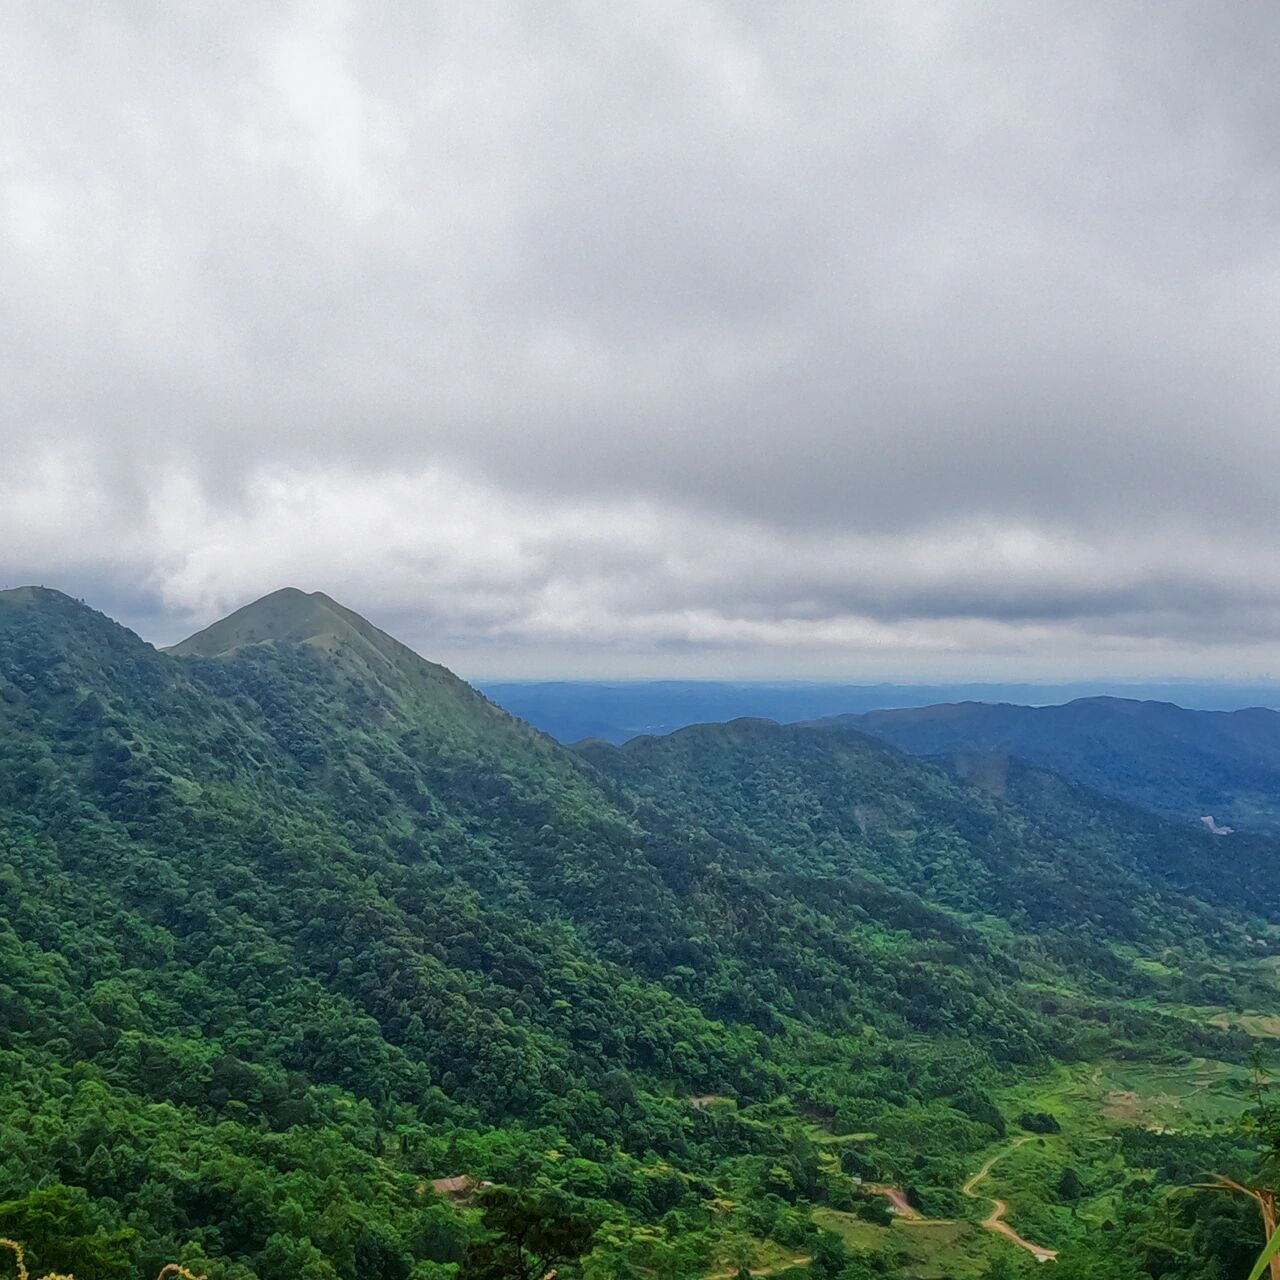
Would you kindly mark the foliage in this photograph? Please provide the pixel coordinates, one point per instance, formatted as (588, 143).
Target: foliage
(1171, 760)
(529, 1237)
(294, 924)
(1039, 1122)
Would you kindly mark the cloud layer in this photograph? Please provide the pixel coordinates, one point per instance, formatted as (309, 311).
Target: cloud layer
(858, 340)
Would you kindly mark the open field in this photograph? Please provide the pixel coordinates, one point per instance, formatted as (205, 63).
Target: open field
(1093, 1103)
(928, 1250)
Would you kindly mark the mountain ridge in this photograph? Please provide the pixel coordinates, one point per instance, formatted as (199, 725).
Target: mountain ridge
(286, 935)
(618, 710)
(1172, 760)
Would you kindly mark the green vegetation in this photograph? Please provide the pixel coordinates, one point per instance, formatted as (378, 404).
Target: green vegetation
(295, 926)
(526, 1237)
(1168, 759)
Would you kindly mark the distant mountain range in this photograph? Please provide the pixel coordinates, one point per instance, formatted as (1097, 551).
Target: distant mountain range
(615, 711)
(1211, 757)
(1220, 767)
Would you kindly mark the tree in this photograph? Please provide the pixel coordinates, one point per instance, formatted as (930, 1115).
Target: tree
(829, 1257)
(1265, 1121)
(62, 1233)
(529, 1238)
(1005, 1267)
(1265, 1198)
(1039, 1122)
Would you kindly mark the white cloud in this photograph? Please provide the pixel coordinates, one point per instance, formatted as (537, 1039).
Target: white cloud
(497, 583)
(664, 334)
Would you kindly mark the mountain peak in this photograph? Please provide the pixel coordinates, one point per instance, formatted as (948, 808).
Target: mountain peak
(392, 676)
(289, 616)
(35, 596)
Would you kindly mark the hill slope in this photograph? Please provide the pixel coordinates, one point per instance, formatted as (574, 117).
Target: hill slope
(1033, 847)
(1185, 764)
(294, 923)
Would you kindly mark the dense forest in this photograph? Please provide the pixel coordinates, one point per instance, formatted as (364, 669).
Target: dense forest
(1185, 764)
(314, 963)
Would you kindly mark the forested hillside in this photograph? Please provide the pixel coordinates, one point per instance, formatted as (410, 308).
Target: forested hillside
(294, 924)
(1186, 764)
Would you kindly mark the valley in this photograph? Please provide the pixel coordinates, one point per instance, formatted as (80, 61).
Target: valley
(298, 930)
(1094, 1106)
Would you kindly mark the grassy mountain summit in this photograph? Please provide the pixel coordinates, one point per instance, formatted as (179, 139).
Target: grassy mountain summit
(32, 596)
(293, 924)
(290, 616)
(1177, 762)
(363, 657)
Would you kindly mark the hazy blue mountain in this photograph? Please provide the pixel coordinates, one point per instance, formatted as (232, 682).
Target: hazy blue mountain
(1184, 763)
(615, 711)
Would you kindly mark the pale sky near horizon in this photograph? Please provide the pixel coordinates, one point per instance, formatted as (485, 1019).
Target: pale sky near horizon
(876, 341)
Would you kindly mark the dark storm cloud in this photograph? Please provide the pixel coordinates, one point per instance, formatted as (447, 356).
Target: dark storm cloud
(810, 337)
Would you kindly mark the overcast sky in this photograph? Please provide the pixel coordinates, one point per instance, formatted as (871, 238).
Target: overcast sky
(871, 340)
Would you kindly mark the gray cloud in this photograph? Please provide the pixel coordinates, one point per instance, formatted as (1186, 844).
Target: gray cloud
(870, 339)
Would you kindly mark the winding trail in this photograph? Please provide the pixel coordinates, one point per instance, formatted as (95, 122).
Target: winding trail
(994, 1221)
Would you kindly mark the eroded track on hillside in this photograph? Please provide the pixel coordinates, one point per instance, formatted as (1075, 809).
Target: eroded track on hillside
(994, 1221)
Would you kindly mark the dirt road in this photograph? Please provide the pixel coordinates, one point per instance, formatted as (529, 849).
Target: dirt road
(994, 1221)
(895, 1196)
